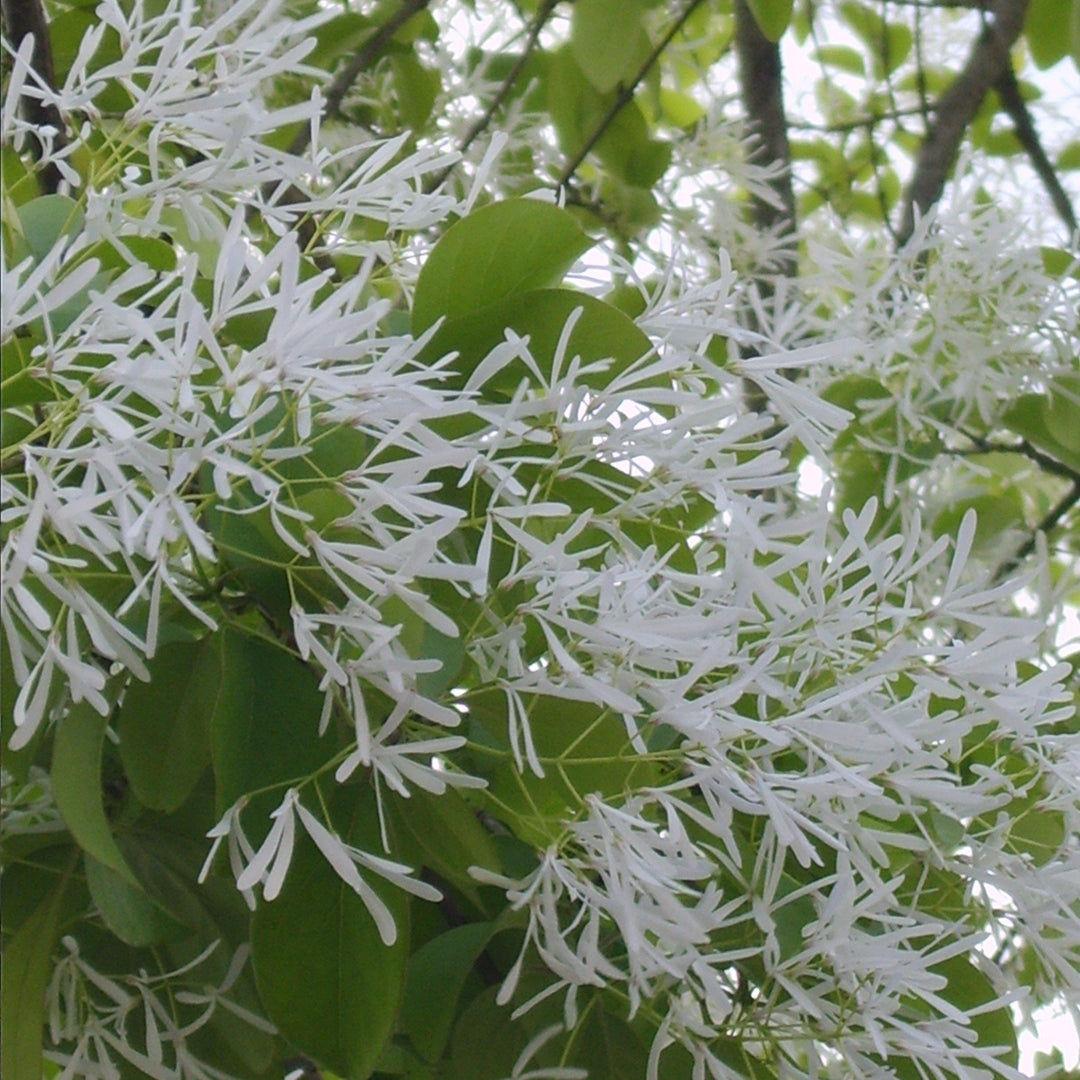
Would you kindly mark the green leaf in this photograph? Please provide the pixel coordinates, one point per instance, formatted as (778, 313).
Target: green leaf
(486, 1042)
(325, 977)
(582, 749)
(1045, 29)
(842, 57)
(772, 16)
(606, 1046)
(21, 387)
(608, 40)
(501, 250)
(76, 783)
(436, 977)
(265, 728)
(164, 724)
(603, 337)
(43, 221)
(416, 86)
(27, 964)
(997, 511)
(446, 836)
(1038, 417)
(971, 991)
(128, 912)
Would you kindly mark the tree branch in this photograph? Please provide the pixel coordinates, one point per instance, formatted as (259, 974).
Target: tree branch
(626, 93)
(1032, 453)
(957, 106)
(543, 13)
(761, 86)
(1013, 103)
(23, 17)
(1052, 519)
(365, 56)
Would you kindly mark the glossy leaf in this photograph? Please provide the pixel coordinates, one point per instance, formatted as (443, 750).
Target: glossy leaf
(325, 977)
(436, 977)
(603, 339)
(501, 250)
(266, 721)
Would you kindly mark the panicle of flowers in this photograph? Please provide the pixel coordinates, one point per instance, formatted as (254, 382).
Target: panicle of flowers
(92, 1015)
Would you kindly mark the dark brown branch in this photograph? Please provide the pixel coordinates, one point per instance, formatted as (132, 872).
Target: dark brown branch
(957, 107)
(1024, 448)
(27, 17)
(625, 94)
(762, 89)
(1013, 103)
(365, 56)
(539, 21)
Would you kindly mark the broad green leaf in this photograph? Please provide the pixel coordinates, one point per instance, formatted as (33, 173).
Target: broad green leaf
(1046, 29)
(1031, 416)
(423, 642)
(27, 964)
(76, 783)
(164, 724)
(265, 727)
(997, 512)
(499, 251)
(606, 1046)
(581, 748)
(436, 977)
(603, 338)
(416, 86)
(608, 40)
(43, 221)
(325, 977)
(842, 57)
(772, 16)
(486, 1043)
(970, 991)
(127, 911)
(444, 834)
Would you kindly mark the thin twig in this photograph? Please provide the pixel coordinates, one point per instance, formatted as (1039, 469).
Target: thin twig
(1026, 449)
(625, 94)
(956, 108)
(539, 21)
(842, 127)
(1013, 103)
(365, 56)
(1052, 519)
(27, 17)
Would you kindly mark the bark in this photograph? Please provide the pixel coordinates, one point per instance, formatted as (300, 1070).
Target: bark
(957, 106)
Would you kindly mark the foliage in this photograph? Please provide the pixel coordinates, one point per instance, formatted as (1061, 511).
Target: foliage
(426, 652)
